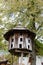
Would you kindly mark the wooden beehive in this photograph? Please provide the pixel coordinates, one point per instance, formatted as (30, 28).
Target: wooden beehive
(20, 40)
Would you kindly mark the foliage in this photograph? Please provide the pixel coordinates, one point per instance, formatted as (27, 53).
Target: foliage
(11, 58)
(26, 11)
(38, 48)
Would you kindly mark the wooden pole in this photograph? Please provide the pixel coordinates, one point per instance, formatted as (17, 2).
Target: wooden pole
(21, 59)
(28, 59)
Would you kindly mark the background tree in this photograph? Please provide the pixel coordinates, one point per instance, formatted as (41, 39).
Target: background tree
(29, 12)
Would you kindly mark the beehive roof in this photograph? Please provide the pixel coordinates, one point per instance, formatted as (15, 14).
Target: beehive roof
(18, 28)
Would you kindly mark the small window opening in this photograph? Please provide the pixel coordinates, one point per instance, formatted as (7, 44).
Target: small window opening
(20, 33)
(12, 40)
(20, 45)
(21, 39)
(28, 46)
(11, 45)
(28, 41)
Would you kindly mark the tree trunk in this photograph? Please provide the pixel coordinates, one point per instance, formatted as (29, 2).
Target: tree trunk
(33, 54)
